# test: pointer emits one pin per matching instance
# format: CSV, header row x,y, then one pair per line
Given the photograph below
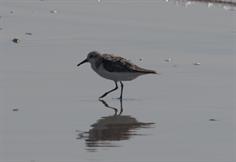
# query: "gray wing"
x,y
118,64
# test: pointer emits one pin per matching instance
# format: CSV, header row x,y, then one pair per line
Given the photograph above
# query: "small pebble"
x,y
212,120
15,109
140,59
196,63
11,12
15,40
53,11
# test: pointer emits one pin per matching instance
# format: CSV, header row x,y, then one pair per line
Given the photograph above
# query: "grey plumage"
x,y
114,68
119,64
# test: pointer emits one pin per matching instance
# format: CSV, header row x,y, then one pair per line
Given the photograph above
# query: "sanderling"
x,y
114,68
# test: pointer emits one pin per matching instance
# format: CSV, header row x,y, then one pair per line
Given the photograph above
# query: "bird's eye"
x,y
92,56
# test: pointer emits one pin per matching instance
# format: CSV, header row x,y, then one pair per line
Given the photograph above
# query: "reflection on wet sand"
x,y
112,128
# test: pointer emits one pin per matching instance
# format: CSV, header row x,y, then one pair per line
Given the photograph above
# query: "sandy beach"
x,y
50,111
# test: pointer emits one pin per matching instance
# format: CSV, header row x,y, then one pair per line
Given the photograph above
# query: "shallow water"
x,y
50,109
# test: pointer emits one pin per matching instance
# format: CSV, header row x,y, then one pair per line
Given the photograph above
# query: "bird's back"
x,y
114,63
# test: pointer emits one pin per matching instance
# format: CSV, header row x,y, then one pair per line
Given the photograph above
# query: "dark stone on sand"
x,y
15,109
212,120
15,40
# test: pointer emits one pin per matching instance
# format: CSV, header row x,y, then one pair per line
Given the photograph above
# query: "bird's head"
x,y
91,57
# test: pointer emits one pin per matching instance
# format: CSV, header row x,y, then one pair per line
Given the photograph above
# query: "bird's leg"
x,y
109,91
121,106
121,93
106,105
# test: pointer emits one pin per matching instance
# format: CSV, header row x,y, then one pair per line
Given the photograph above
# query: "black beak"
x,y
82,62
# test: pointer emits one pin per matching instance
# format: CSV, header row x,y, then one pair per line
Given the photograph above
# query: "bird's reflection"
x,y
109,129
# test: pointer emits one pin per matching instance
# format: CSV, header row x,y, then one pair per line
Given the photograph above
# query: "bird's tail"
x,y
147,71
151,72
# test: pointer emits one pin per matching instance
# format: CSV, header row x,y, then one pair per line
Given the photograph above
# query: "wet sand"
x,y
50,109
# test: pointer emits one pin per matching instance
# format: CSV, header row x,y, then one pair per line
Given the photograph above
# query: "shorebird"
x,y
114,68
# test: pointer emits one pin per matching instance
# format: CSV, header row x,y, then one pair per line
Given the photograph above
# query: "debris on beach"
x,y
196,63
225,4
53,11
229,8
28,33
209,5
168,60
188,3
15,40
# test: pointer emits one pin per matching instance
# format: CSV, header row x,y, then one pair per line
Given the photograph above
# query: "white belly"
x,y
116,76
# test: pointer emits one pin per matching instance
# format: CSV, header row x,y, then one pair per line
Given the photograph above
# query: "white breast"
x,y
116,76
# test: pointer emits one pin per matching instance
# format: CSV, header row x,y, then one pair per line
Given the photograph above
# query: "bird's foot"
x,y
118,98
102,96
